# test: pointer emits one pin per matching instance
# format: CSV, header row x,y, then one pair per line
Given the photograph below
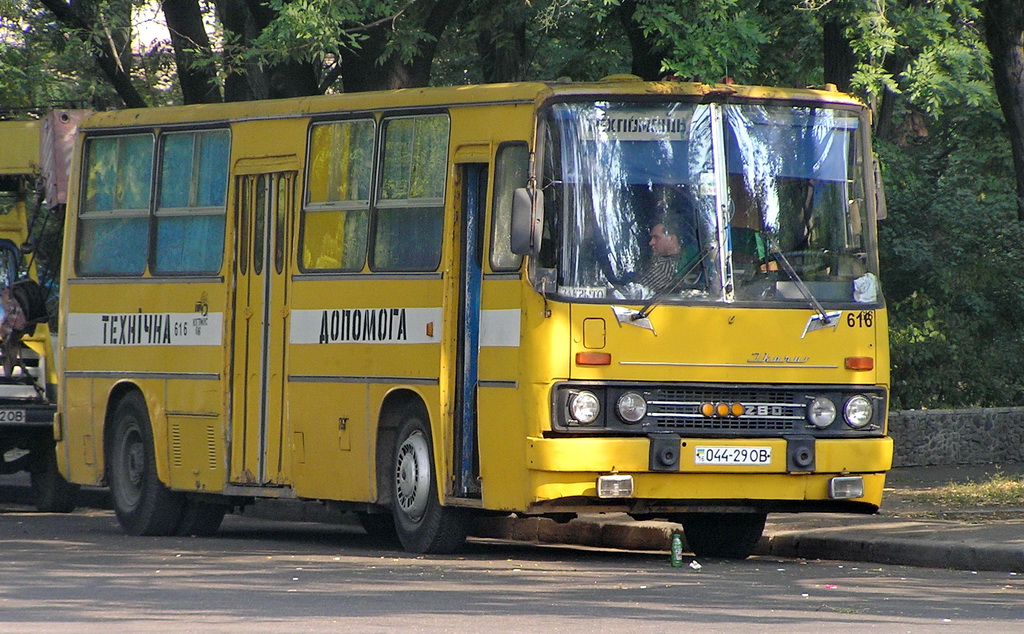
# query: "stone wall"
x,y
957,437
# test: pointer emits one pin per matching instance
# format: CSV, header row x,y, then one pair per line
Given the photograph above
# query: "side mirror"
x,y
880,210
527,219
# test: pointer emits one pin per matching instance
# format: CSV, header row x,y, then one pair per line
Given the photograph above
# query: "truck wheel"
x,y
422,524
725,535
51,493
144,506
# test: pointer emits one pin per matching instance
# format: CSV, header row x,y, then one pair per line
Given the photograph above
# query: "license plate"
x,y
12,416
733,455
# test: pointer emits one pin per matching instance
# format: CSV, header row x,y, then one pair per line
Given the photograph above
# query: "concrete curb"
x,y
905,552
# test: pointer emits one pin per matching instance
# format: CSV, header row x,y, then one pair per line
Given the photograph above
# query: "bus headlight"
x,y
584,407
821,412
631,407
857,412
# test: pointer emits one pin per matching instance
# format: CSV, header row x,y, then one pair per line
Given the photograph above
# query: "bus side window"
x,y
114,219
410,206
335,218
510,173
191,209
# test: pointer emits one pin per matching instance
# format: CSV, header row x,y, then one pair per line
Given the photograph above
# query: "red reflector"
x,y
860,363
593,358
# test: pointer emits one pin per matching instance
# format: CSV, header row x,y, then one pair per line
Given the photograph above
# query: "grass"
x,y
999,490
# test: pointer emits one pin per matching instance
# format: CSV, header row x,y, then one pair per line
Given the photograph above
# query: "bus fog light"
x,y
857,412
615,486
846,488
631,407
584,407
821,412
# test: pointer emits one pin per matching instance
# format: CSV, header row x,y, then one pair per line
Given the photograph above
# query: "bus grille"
x,y
766,411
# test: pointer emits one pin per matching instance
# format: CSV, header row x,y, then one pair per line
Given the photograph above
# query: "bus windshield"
x,y
706,203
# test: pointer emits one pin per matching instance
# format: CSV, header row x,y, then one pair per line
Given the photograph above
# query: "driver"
x,y
666,253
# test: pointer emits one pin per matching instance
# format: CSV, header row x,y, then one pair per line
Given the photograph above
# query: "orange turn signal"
x,y
593,358
707,409
860,363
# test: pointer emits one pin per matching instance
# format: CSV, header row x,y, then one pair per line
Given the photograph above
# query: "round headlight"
x,y
631,407
858,412
821,412
584,407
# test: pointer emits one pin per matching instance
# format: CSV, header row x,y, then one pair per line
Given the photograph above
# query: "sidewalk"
x,y
907,530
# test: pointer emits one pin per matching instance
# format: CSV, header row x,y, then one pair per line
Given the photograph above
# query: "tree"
x,y
1004,34
189,38
105,25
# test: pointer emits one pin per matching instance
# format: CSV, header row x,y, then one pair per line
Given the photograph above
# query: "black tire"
x,y
200,518
51,493
144,506
422,524
724,535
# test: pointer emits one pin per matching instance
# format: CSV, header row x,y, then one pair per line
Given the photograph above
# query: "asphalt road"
x,y
79,572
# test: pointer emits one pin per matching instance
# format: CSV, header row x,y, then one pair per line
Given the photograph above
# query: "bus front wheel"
x,y
422,523
144,506
725,535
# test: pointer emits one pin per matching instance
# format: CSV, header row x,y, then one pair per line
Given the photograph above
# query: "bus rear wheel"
x,y
422,523
724,535
144,506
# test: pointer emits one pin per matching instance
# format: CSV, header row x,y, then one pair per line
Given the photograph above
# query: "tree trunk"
x,y
501,42
110,52
647,60
503,57
246,19
884,126
360,70
838,55
188,33
1004,34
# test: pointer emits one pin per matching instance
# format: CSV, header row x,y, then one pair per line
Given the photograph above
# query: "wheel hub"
x,y
412,476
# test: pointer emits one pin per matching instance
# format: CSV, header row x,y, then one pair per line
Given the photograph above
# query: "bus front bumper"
x,y
839,474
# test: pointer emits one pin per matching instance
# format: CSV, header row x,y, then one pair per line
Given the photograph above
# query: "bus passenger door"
x,y
473,179
263,208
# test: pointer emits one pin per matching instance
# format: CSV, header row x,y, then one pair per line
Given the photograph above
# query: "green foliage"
x,y
710,39
952,252
40,66
314,30
564,38
932,52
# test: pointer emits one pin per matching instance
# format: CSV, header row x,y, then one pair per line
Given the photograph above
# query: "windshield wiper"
x,y
806,292
673,284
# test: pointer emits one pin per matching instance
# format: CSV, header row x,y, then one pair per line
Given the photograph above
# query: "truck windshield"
x,y
705,202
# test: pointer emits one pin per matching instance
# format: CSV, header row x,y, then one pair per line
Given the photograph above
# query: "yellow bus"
x,y
428,305
28,379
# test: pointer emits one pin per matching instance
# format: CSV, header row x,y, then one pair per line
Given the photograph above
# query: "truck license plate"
x,y
12,416
733,455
